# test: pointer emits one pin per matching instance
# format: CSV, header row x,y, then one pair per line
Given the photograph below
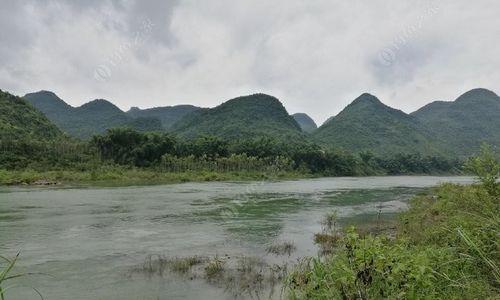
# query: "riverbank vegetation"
x,y
127,156
446,246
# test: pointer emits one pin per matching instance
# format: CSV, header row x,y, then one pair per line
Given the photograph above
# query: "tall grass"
x,y
6,276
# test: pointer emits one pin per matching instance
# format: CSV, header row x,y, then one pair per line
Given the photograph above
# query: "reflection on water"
x,y
89,239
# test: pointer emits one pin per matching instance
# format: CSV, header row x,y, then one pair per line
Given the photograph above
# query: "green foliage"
x,y
144,124
209,147
126,146
486,168
372,268
113,175
61,153
417,164
232,163
465,219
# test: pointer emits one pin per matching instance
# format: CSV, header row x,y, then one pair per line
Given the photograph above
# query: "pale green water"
x,y
89,239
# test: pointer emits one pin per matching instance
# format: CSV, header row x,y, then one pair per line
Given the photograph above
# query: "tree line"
x,y
168,153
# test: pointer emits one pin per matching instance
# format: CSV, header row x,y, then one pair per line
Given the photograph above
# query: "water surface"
x,y
90,239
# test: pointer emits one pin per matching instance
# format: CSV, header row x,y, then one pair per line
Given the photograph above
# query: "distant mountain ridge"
x,y
89,119
167,115
461,126
450,128
305,122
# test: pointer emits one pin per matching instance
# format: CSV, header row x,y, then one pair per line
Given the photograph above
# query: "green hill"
x,y
462,125
168,115
305,122
91,118
243,117
368,124
18,119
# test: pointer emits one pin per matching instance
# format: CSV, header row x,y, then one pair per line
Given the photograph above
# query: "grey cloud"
x,y
159,13
316,56
395,67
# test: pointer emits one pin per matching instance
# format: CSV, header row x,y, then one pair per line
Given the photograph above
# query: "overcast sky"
x,y
316,56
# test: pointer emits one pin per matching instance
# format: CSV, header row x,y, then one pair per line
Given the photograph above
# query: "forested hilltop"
x,y
463,124
369,125
21,121
91,118
251,116
245,137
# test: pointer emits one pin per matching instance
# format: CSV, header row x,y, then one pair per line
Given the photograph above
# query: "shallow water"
x,y
88,241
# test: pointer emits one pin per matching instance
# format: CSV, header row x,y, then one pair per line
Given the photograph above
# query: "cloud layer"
x,y
316,56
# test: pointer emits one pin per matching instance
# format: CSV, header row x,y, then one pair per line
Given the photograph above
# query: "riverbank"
x,y
126,176
118,176
444,247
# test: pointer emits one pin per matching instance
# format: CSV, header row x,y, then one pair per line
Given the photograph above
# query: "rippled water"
x,y
90,239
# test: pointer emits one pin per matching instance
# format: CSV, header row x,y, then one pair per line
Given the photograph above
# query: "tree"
x,y
486,168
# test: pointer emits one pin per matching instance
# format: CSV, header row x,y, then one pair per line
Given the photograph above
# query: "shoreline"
x,y
133,177
120,177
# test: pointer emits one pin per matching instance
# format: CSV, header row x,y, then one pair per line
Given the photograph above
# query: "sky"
x,y
316,56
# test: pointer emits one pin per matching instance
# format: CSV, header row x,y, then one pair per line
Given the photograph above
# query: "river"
x,y
89,243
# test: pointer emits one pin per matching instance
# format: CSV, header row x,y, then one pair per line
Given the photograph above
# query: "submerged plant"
x,y
328,238
282,248
183,265
330,221
157,264
214,268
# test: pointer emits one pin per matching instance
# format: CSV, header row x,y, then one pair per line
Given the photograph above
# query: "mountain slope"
x,y
305,122
168,115
89,119
462,125
95,117
18,119
243,117
368,124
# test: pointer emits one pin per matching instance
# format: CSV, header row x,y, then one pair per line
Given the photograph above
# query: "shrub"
x,y
486,168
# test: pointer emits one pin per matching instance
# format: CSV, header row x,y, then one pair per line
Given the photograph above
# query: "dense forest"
x,y
167,153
